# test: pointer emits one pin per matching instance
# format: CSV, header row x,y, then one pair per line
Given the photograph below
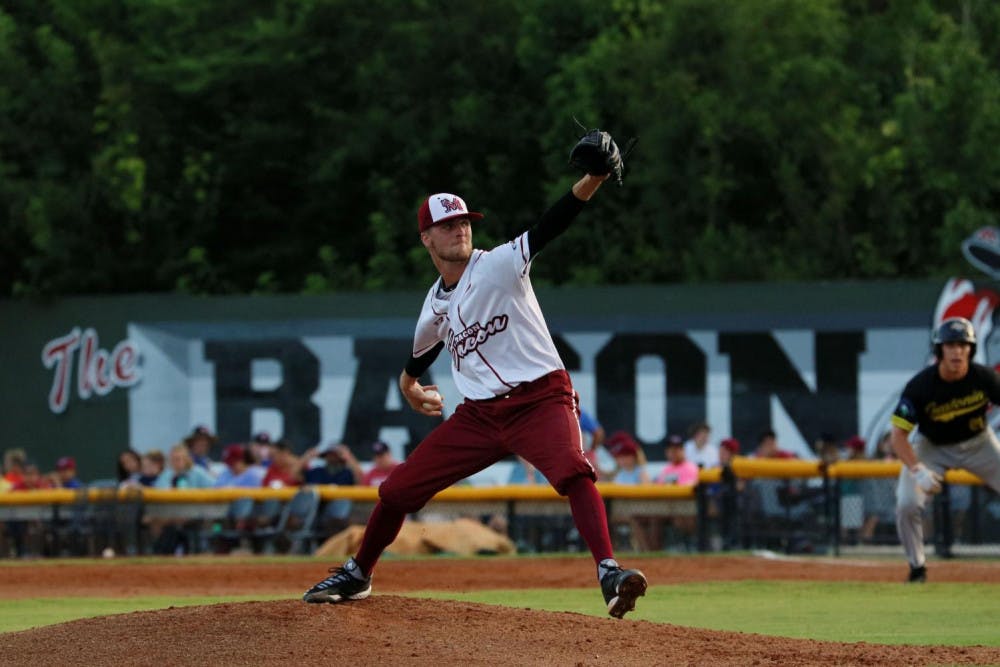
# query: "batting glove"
x,y
928,480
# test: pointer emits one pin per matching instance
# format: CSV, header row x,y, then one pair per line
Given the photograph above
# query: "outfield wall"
x,y
90,376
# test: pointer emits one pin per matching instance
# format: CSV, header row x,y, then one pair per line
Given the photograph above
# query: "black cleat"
x,y
918,575
621,588
344,583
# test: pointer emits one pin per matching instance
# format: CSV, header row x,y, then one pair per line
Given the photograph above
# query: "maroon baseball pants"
x,y
537,420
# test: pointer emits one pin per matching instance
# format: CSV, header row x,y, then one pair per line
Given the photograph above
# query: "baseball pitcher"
x,y
518,398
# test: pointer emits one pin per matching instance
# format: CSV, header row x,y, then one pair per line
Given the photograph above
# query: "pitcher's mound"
x,y
392,630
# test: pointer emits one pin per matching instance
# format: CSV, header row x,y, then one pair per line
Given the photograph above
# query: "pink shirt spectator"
x,y
684,472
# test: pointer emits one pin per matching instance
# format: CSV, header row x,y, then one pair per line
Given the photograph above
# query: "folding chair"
x,y
295,525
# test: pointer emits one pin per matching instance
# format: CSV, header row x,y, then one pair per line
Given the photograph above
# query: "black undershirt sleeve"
x,y
554,222
416,366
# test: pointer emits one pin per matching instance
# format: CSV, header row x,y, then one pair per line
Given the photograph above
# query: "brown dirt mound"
x,y
392,630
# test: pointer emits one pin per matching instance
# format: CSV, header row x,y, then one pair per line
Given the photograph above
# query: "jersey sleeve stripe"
x,y
902,423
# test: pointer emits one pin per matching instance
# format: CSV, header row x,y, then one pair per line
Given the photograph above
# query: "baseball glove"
x,y
597,154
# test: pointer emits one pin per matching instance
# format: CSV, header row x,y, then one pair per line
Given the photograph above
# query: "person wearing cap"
x,y
383,463
240,470
65,474
729,448
630,460
262,449
724,495
678,470
940,423
199,444
518,397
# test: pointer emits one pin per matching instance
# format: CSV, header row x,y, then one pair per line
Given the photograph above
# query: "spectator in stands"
x,y
767,447
240,470
594,438
13,467
182,473
261,449
522,472
284,469
698,449
129,468
678,469
151,466
200,444
169,535
29,535
729,448
724,496
826,449
383,463
339,466
851,499
630,460
65,475
32,479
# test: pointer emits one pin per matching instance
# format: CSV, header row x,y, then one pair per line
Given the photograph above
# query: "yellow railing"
x,y
742,467
331,492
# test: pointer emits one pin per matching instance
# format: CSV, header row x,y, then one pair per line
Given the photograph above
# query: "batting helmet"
x,y
954,330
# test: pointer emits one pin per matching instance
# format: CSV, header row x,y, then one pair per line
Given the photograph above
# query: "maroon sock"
x,y
383,527
590,517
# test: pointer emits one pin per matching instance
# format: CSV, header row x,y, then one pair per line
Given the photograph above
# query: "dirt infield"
x,y
392,630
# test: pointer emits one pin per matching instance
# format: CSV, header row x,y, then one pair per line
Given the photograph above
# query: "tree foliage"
x,y
285,145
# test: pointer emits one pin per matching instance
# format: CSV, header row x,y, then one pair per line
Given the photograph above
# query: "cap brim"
x,y
471,215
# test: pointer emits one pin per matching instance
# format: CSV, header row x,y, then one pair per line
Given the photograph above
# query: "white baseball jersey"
x,y
491,324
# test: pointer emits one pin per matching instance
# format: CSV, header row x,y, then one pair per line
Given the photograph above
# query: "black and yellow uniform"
x,y
947,412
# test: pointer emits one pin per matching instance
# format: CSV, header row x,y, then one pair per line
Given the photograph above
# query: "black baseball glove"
x,y
597,154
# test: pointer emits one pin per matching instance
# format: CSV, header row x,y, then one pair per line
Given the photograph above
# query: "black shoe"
x,y
344,583
918,575
621,588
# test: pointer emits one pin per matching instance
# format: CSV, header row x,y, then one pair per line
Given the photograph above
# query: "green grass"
x,y
934,613
952,614
35,612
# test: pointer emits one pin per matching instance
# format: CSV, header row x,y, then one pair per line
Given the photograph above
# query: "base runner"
x,y
946,402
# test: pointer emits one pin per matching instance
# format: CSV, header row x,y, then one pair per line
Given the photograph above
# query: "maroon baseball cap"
x,y
233,453
621,443
66,463
731,444
855,442
443,206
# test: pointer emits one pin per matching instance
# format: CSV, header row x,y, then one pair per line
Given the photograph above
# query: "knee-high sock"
x,y
590,517
383,527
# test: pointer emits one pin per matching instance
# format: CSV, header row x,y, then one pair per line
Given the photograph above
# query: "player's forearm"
x,y
902,447
554,222
585,188
416,366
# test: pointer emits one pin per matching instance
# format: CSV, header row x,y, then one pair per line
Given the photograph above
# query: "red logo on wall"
x,y
97,370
